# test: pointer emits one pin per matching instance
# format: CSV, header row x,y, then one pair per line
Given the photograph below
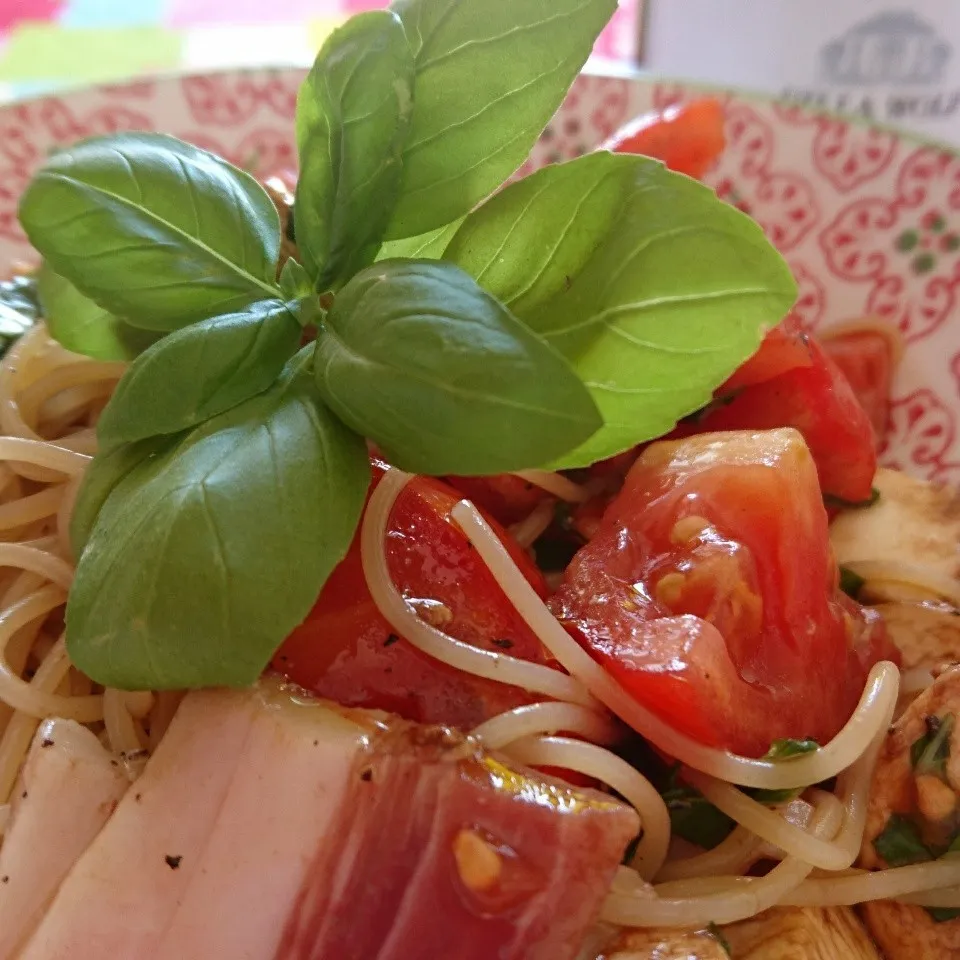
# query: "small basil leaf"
x,y
417,357
200,371
204,558
899,843
103,474
78,324
789,749
428,246
489,78
294,281
352,118
154,230
653,288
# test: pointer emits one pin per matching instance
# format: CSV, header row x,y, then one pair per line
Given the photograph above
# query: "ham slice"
x,y
68,788
271,828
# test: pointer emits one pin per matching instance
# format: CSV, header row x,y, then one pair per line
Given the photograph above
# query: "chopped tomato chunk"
x,y
688,138
868,358
346,651
710,591
792,382
505,496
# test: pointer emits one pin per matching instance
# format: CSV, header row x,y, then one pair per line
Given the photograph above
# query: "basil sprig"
x,y
574,314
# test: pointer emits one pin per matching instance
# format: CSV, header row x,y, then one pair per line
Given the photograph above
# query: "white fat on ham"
x,y
207,851
68,788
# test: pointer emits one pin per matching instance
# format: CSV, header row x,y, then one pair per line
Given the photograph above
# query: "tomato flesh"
x,y
792,382
867,359
711,593
688,138
347,652
505,496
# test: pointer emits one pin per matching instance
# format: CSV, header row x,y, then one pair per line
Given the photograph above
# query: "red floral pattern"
x,y
869,222
849,156
905,246
921,433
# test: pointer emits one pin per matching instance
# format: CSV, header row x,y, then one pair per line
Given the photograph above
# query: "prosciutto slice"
x,y
68,788
268,827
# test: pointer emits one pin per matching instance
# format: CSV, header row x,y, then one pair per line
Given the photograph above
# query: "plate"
x,y
867,217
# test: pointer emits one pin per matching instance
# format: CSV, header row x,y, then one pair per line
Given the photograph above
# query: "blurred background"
x,y
892,62
45,44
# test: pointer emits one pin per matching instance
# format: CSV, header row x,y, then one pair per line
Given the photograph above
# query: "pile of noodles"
x,y
49,402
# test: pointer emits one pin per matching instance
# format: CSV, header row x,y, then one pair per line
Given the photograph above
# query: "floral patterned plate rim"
x,y
867,217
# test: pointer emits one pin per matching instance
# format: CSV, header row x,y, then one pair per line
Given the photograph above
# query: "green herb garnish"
x,y
788,749
943,914
851,583
929,753
694,818
899,843
575,314
717,935
783,750
838,503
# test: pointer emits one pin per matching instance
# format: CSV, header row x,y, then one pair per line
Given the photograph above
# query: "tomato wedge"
x,y
792,382
688,138
868,357
346,651
710,591
505,496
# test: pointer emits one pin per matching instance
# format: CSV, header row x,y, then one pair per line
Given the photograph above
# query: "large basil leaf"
x,y
489,77
154,230
197,372
428,246
103,474
652,288
204,559
417,357
352,117
78,324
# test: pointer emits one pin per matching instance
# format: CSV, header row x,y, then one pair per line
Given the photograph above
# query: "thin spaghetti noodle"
x,y
594,761
49,401
876,702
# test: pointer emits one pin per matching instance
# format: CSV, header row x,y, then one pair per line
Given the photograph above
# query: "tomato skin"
x,y
868,359
785,348
776,388
688,138
731,625
504,496
346,651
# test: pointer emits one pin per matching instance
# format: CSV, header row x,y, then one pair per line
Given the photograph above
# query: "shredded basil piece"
x,y
838,503
851,583
929,753
717,935
899,843
693,817
787,749
943,914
